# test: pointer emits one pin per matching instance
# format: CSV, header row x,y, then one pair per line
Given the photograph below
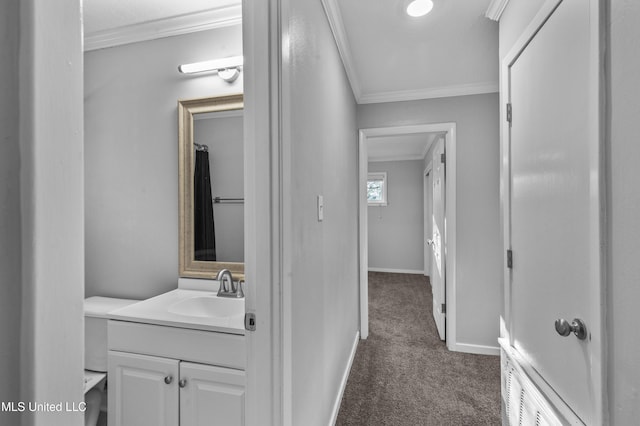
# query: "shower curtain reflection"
x,y
204,235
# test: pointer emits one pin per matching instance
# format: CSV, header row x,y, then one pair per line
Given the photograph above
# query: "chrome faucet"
x,y
228,287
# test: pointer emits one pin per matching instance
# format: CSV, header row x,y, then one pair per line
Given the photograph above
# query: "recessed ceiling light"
x,y
418,8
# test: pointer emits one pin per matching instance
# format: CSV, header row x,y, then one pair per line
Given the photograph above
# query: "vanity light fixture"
x,y
228,69
416,8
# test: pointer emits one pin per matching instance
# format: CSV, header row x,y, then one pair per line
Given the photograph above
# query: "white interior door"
x,y
428,213
554,207
438,238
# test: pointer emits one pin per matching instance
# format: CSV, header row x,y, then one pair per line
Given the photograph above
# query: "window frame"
x,y
378,176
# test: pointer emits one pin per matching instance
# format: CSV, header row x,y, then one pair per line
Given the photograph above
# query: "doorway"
x,y
448,132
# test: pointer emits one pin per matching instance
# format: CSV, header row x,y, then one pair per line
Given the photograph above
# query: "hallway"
x,y
404,375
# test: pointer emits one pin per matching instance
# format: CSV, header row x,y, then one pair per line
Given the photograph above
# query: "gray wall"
x,y
131,156
10,244
623,292
396,230
223,136
319,153
479,245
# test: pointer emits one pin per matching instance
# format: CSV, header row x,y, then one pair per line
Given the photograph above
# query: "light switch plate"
x,y
320,208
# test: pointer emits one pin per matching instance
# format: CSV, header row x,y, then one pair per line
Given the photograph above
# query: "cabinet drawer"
x,y
226,350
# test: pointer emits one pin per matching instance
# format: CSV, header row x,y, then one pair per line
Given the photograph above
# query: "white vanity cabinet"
x,y
168,376
143,390
211,395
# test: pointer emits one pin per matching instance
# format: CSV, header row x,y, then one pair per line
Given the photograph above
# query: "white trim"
x,y
363,229
427,194
597,285
495,9
449,129
267,379
408,157
332,10
343,382
451,287
430,93
397,271
411,129
470,348
176,25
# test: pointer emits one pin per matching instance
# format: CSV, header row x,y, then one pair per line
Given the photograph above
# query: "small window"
x,y
377,189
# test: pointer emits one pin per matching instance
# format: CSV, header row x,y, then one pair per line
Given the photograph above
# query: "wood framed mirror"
x,y
211,181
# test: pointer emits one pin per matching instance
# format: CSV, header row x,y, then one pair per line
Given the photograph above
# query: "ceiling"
x,y
109,23
399,147
388,56
103,15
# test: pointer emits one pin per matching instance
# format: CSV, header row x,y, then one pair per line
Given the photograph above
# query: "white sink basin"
x,y
208,307
201,310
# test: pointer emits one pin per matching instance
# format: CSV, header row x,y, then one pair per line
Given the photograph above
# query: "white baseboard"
x,y
397,271
343,383
475,349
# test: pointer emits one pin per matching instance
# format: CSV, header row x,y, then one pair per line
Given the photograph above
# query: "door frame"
x,y
428,204
449,129
269,364
597,285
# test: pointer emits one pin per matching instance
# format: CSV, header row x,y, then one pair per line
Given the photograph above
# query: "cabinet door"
x,y
211,396
143,390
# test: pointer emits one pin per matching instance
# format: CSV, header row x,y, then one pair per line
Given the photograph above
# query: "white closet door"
x,y
554,212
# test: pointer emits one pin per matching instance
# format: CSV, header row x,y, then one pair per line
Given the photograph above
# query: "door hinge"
x,y
509,113
442,158
250,321
509,259
443,308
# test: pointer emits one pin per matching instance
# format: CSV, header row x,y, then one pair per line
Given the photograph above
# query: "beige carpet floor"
x,y
404,375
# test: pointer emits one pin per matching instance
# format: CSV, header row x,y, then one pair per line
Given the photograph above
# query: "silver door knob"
x,y
577,327
182,383
168,380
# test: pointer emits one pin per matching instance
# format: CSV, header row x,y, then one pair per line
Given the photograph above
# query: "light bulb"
x,y
419,8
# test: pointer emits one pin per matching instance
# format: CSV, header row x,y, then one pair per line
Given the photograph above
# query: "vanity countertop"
x,y
193,309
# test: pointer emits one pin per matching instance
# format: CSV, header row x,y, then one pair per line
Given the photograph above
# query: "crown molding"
x,y
432,139
332,10
495,9
177,25
434,92
408,157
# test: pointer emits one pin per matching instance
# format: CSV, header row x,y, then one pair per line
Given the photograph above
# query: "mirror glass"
x,y
211,186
